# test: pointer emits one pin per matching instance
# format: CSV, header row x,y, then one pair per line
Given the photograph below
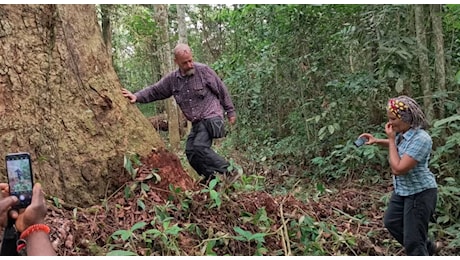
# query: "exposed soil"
x,y
356,212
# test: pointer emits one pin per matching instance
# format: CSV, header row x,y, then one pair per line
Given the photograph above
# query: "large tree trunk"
x,y
161,17
440,60
420,19
60,100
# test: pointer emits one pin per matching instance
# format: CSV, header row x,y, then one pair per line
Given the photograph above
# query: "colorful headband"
x,y
397,107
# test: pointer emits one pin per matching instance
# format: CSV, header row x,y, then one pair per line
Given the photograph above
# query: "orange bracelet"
x,y
34,228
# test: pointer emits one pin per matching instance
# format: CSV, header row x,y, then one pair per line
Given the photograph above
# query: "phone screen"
x,y
360,141
20,177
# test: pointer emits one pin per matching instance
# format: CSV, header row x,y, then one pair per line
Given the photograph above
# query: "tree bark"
x,y
161,17
420,19
440,60
182,26
60,100
182,29
107,28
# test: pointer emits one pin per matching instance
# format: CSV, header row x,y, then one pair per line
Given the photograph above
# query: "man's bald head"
x,y
182,49
183,58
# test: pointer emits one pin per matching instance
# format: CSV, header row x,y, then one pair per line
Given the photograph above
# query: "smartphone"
x,y
20,177
360,141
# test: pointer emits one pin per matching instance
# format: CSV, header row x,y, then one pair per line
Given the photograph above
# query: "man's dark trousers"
x,y
200,155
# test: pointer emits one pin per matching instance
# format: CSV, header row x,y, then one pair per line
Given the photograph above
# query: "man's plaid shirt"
x,y
200,96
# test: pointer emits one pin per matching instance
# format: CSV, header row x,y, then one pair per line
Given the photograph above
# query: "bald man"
x,y
205,101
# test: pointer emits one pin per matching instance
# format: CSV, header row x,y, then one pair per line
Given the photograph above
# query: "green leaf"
x,y
259,237
209,247
261,215
321,132
301,219
127,163
215,196
317,118
240,238
118,232
127,192
449,180
140,204
128,166
56,202
174,230
133,186
457,77
145,187
138,225
166,224
158,178
121,253
244,233
446,120
443,219
399,86
154,232
320,187
212,184
336,126
261,251
331,129
148,177
124,234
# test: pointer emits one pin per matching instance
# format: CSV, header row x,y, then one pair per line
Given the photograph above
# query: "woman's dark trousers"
x,y
407,219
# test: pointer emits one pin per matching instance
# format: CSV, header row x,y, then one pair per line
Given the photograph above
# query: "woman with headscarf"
x,y
413,201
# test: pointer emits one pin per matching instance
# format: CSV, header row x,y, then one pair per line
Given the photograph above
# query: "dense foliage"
x,y
308,79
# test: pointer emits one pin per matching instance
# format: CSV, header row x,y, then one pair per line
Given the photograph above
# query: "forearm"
x,y
394,158
382,142
158,91
148,94
226,101
217,85
39,244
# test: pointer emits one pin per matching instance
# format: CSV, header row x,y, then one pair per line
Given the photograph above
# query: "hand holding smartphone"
x,y
20,177
360,141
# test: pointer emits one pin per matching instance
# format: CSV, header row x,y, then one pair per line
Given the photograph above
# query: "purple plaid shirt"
x,y
200,96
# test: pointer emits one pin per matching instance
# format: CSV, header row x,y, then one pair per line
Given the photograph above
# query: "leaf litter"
x,y
345,222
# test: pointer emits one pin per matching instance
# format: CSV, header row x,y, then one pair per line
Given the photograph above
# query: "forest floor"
x,y
355,210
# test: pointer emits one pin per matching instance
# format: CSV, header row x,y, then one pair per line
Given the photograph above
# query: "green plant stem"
x,y
348,215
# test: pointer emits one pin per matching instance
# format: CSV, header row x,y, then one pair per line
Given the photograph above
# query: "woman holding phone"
x,y
413,201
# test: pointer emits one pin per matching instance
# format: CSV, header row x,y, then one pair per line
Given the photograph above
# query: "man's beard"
x,y
190,72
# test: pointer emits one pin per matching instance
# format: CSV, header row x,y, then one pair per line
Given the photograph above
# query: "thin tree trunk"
x,y
375,62
420,19
440,62
182,39
410,27
161,17
182,26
